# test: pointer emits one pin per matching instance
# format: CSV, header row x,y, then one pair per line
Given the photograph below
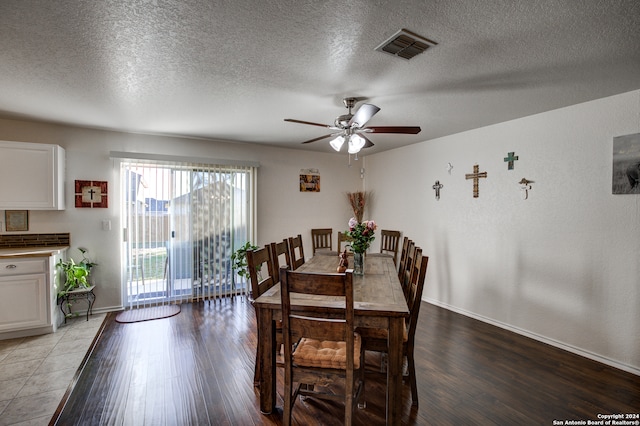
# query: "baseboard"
x,y
108,309
27,332
573,349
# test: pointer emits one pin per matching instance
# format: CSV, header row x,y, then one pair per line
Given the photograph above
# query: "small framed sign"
x,y
309,180
17,220
91,194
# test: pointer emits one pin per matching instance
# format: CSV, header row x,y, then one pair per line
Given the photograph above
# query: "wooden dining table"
x,y
378,301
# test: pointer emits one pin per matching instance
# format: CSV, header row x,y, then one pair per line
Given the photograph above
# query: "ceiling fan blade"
x,y
319,138
367,141
409,130
291,120
364,114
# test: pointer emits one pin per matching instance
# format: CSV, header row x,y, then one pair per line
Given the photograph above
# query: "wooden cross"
x,y
437,187
510,158
476,175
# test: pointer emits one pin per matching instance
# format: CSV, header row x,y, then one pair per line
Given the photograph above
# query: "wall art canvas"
x,y
309,180
626,164
91,194
16,220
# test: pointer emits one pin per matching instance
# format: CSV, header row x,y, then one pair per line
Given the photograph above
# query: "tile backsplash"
x,y
33,240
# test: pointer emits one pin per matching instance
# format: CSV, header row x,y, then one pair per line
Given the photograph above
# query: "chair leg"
x,y
257,373
348,400
362,401
412,379
286,412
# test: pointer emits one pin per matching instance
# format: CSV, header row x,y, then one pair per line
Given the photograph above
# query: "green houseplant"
x,y
76,274
239,259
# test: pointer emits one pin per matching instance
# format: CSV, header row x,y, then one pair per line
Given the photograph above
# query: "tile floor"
x,y
36,371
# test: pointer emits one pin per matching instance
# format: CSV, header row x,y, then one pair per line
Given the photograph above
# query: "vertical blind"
x,y
182,221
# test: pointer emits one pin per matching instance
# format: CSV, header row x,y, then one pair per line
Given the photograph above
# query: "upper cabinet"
x,y
31,176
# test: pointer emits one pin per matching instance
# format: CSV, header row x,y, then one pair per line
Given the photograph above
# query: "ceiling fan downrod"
x,y
342,121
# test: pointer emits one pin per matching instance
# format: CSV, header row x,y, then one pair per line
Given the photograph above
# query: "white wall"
x,y
562,266
283,210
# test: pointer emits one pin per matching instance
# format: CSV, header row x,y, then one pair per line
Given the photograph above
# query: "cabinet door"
x,y
31,176
23,302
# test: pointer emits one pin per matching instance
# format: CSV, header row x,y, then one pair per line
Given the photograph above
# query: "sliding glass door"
x,y
182,222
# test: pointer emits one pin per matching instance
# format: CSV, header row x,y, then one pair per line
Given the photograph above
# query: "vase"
x,y
358,263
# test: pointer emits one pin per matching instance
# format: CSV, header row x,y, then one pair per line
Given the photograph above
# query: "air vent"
x,y
405,44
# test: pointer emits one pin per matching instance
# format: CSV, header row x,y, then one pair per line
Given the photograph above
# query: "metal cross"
x,y
525,186
476,176
510,158
437,187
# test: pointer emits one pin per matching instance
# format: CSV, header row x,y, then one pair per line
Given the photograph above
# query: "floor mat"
x,y
148,314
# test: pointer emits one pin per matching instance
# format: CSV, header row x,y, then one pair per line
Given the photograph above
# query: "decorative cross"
x,y
476,175
509,159
449,167
437,187
525,187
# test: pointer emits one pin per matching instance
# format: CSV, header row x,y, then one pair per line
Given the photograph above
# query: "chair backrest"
x,y
406,275
280,257
343,237
416,285
403,258
296,252
298,320
256,259
322,239
389,243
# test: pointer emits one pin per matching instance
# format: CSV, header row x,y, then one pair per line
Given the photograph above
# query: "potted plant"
x,y
239,260
76,274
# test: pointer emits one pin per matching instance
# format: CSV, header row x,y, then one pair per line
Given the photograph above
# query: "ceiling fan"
x,y
350,127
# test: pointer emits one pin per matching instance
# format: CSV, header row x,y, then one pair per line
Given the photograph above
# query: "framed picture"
x,y
309,180
91,194
16,220
626,164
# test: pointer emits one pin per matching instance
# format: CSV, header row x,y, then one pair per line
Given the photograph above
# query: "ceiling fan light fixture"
x,y
356,142
337,143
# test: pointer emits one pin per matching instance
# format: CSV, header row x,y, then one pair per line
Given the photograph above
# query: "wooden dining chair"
x,y
344,238
280,257
322,240
389,242
403,257
320,346
259,263
408,267
296,252
375,339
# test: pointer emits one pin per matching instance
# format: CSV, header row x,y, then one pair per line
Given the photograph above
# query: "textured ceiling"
x,y
233,70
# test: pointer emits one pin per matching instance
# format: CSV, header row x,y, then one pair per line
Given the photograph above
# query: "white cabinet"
x,y
31,176
24,294
28,296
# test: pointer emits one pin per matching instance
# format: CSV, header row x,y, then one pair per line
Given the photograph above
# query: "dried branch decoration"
x,y
358,202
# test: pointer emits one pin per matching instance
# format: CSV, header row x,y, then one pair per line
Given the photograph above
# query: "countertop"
x,y
7,253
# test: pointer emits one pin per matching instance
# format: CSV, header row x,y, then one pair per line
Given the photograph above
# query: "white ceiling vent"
x,y
405,44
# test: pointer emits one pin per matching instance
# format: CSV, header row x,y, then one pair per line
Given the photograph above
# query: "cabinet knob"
x,y
11,266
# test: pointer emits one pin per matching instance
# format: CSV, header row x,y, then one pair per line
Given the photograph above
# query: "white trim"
x,y
175,158
578,351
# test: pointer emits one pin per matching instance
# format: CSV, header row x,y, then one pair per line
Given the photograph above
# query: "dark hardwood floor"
x,y
196,368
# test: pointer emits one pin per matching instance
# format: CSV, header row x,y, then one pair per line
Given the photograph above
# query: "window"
x,y
182,221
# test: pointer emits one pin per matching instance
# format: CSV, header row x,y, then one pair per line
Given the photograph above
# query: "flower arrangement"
x,y
362,234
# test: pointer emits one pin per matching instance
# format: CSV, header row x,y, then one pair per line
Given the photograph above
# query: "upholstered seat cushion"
x,y
381,333
326,353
